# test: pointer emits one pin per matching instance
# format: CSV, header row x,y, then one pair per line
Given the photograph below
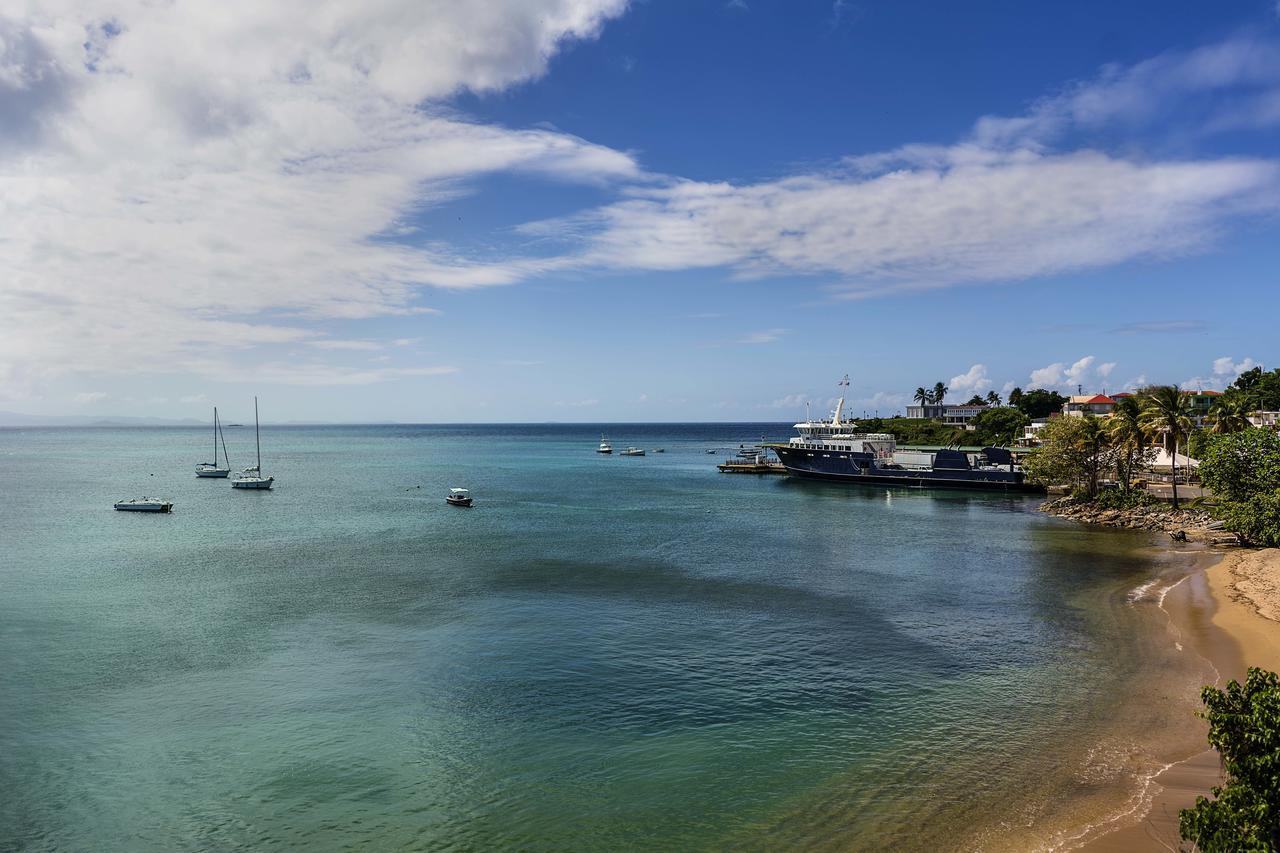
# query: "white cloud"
x,y
790,401
972,381
766,336
579,404
1063,376
173,173
1227,369
89,397
1005,216
193,398
345,345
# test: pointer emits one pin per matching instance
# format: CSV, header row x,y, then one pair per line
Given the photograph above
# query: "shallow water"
x,y
605,652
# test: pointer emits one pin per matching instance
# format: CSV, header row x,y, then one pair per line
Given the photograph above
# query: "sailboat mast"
x,y
215,436
256,439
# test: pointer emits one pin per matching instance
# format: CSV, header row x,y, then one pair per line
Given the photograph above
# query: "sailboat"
x,y
212,469
251,477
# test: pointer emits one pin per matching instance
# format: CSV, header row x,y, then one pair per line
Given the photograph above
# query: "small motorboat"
x,y
144,505
712,451
605,446
659,450
458,497
633,451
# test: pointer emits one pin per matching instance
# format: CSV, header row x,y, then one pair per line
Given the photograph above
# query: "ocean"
x,y
604,653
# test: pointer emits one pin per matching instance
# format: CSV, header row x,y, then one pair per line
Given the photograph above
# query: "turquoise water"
x,y
604,653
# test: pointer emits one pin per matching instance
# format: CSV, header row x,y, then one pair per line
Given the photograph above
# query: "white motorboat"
x,y
213,469
605,446
144,505
251,477
633,451
458,497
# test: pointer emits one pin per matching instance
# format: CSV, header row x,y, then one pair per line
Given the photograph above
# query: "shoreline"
x,y
1227,610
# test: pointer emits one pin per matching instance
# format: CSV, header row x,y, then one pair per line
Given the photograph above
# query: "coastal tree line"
x,y
1239,463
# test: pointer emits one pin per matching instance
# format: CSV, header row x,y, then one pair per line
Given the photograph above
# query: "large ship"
x,y
829,450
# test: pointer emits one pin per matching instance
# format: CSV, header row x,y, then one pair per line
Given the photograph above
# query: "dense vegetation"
x,y
1244,726
1243,471
996,427
1037,403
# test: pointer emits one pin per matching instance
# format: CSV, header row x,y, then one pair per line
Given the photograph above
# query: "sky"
x,y
601,210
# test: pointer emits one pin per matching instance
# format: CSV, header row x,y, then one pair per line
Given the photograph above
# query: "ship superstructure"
x,y
830,449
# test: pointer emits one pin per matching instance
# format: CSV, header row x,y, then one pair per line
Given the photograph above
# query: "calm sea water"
x,y
604,653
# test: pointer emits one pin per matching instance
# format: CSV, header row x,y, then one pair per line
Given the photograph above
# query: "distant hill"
x,y
17,419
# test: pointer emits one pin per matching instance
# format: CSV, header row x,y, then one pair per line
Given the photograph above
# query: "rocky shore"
x,y
1191,523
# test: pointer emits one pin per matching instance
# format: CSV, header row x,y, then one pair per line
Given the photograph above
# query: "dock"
x,y
750,466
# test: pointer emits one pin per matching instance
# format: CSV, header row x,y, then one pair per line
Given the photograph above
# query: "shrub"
x,y
1244,726
1257,521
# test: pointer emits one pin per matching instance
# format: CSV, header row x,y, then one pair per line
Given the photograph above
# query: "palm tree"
x,y
939,392
1129,434
1230,414
1167,412
1094,439
923,397
993,399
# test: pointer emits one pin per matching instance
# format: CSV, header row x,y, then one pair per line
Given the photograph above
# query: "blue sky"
x,y
593,210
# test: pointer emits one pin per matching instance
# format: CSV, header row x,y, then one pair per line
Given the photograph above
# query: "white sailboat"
x,y
251,477
213,469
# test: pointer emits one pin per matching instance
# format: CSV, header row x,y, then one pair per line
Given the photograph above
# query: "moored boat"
x,y
213,469
251,477
633,451
458,497
144,505
830,450
605,446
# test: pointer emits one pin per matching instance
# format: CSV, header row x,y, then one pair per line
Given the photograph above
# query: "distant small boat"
x,y
213,469
633,451
458,497
144,505
605,446
659,450
711,451
251,477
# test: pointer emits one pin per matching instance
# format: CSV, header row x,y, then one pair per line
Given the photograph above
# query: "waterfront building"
x,y
1079,405
950,414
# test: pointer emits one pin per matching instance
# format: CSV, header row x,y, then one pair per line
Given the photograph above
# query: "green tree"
x,y
1073,452
1242,465
999,426
939,392
1015,397
1261,389
923,397
993,399
1038,403
1230,414
1244,726
1166,411
976,400
1129,436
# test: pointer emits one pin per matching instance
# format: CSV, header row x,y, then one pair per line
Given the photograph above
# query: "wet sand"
x,y
1229,613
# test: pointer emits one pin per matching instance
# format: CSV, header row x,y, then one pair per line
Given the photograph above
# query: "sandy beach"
x,y
1230,614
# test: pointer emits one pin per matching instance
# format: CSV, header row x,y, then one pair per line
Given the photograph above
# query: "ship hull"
x,y
835,466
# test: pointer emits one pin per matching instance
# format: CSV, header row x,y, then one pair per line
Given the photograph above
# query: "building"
x,y
1201,403
1031,433
1079,405
1265,419
952,415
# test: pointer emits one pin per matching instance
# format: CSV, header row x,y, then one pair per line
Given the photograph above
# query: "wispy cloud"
x,y
1161,327
88,397
345,345
766,336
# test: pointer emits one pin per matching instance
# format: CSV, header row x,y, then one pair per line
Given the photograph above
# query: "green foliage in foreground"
x,y
1244,726
1243,471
